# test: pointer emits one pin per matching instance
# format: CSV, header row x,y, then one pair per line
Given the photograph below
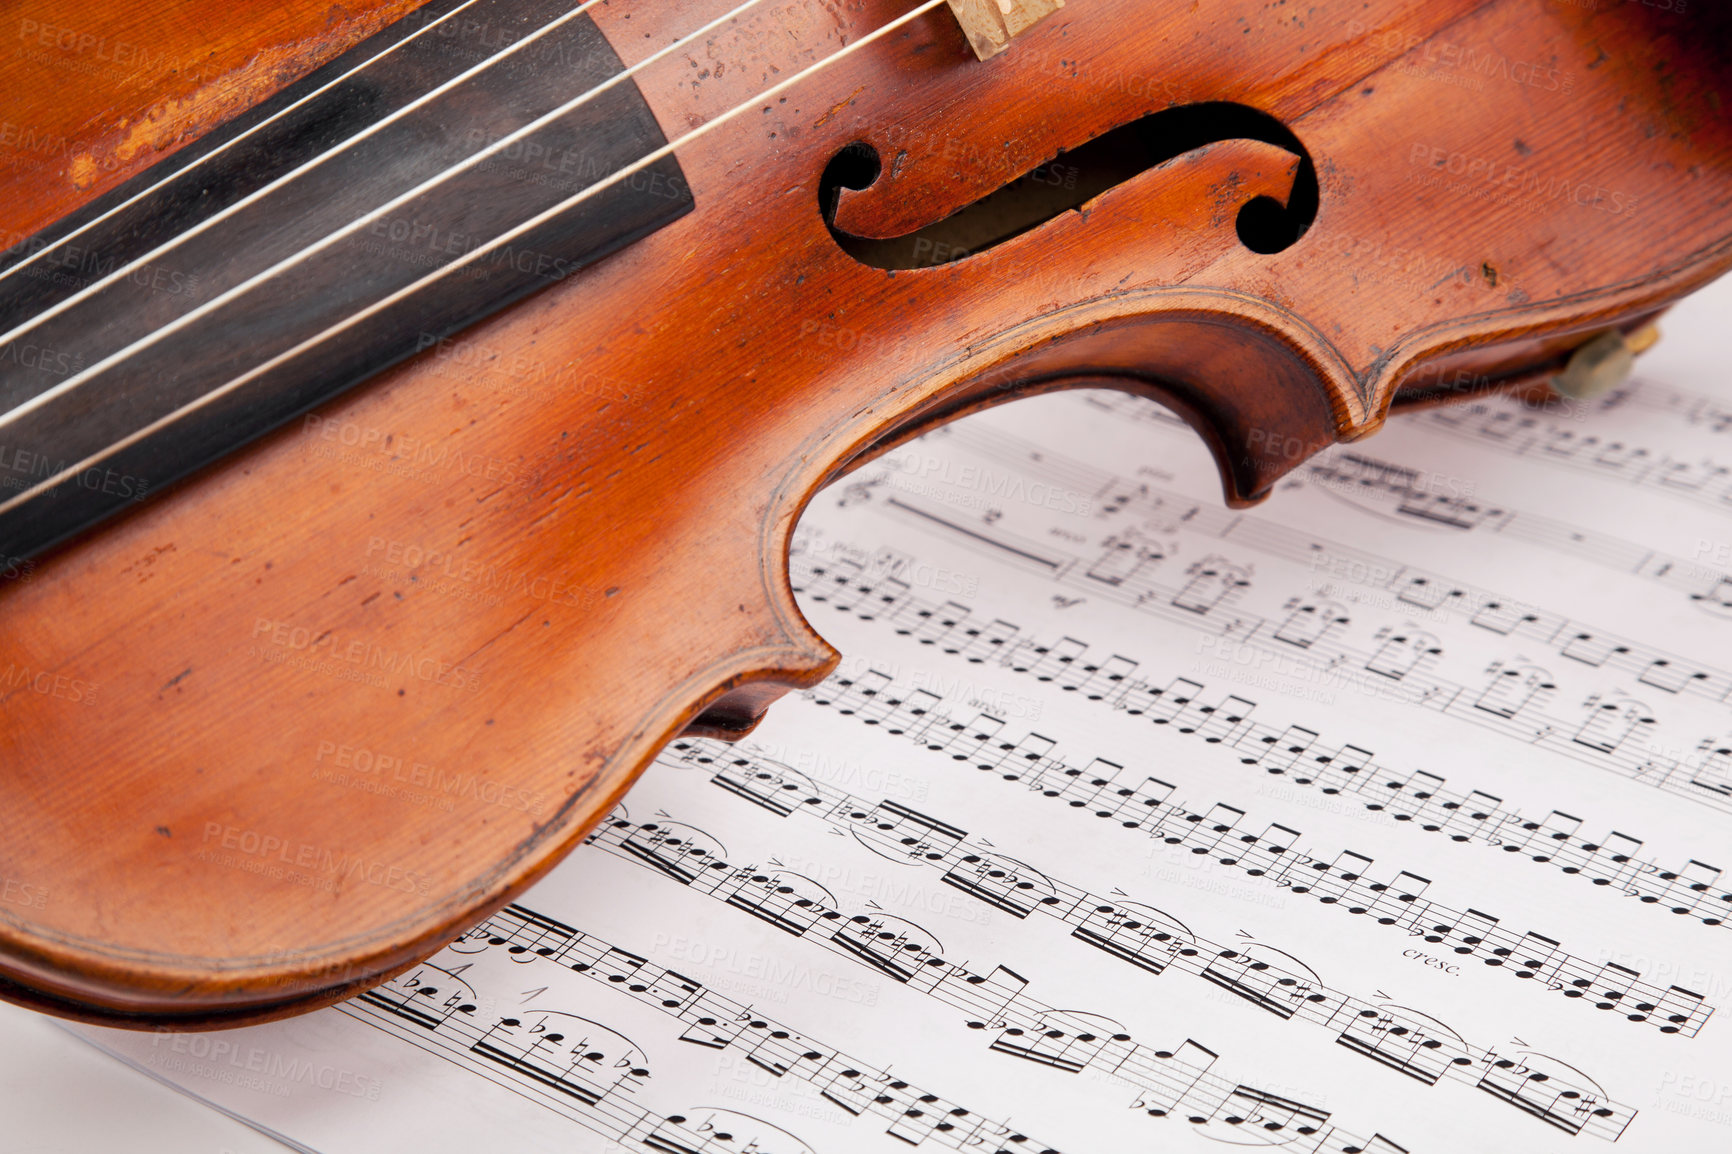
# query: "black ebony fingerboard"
x,y
204,302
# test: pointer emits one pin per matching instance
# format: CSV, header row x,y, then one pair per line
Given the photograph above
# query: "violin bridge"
x,y
991,25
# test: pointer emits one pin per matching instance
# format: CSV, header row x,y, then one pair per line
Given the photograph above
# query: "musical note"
x,y
915,834
1535,956
1401,652
1502,619
1142,936
1104,678
1064,1041
590,1073
1198,877
1009,885
721,1132
575,1056
1513,688
1611,722
1663,673
1217,722
1310,621
1125,555
1442,697
1526,1082
1285,750
1717,597
426,995
1272,1113
1344,880
1407,796
1591,650
1426,592
595,1063
788,901
778,789
1470,927
1054,661
674,850
1402,1040
1149,808
894,946
1260,974
1586,452
1182,1071
1247,975
1209,583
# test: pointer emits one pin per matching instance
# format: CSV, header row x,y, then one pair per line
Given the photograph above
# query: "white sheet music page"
x,y
1390,815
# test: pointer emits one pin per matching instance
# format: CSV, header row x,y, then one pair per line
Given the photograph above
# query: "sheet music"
x,y
1390,815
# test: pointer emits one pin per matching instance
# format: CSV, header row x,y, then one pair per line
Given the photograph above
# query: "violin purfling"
x,y
405,410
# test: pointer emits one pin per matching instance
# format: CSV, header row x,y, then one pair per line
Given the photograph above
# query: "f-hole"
x,y
1072,178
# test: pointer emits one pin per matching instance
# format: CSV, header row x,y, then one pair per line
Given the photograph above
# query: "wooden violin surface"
x,y
298,719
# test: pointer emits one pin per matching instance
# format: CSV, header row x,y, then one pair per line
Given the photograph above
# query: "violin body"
x,y
310,711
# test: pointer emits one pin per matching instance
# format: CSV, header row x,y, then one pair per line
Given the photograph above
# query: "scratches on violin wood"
x,y
496,578
165,75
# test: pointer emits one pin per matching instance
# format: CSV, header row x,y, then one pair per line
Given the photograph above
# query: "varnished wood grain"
x,y
241,248
565,531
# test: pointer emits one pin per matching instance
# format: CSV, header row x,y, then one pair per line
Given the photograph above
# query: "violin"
x,y
405,408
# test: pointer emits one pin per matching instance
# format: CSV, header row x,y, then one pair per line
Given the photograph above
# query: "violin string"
x,y
178,323
185,319
226,145
217,217
462,261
